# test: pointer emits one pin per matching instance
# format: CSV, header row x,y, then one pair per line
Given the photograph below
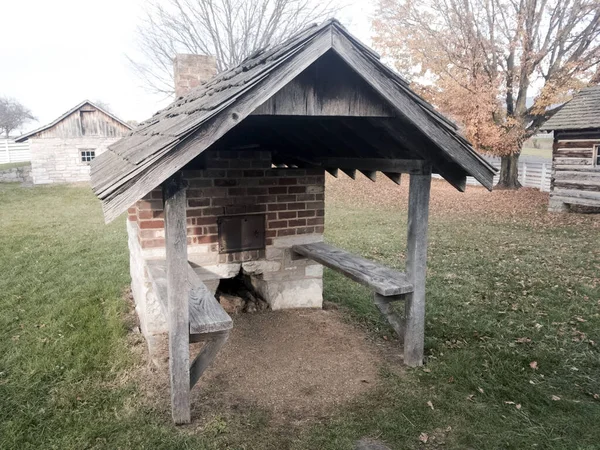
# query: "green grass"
x,y
14,165
501,295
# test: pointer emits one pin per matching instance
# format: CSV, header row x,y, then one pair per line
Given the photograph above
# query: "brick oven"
x,y
238,165
236,185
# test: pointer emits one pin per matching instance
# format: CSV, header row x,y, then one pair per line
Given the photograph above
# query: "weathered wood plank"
x,y
334,172
370,174
416,268
576,201
206,314
580,185
177,295
395,177
573,161
326,88
381,279
350,172
577,194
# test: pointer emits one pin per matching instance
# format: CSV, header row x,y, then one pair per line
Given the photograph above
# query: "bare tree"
x,y
13,115
230,30
483,59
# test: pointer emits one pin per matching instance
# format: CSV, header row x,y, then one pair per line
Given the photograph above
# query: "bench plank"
x,y
381,279
206,314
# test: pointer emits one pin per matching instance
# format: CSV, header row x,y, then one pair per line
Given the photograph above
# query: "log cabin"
x,y
575,183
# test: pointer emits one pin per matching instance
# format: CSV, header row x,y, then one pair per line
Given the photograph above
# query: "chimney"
x,y
191,71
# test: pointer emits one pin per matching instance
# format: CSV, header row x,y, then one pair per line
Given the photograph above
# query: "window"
x,y
596,161
87,155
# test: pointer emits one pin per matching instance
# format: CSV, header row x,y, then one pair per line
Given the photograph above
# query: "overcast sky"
x,y
54,54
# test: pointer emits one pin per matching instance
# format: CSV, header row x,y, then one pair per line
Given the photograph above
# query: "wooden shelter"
x,y
319,101
575,155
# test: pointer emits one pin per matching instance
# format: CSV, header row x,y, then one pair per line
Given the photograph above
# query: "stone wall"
x,y
56,160
16,175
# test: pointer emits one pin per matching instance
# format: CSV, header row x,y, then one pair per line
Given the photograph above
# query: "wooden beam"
x,y
213,342
178,296
370,174
350,172
395,177
416,268
411,166
334,172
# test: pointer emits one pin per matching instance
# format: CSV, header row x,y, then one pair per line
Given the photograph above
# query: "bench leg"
x,y
416,268
213,342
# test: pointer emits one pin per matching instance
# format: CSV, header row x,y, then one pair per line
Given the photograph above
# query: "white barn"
x,y
61,151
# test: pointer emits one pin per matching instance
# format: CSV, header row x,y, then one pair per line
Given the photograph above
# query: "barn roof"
x,y
26,136
581,112
174,136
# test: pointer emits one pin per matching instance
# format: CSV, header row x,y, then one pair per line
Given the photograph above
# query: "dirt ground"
x,y
296,365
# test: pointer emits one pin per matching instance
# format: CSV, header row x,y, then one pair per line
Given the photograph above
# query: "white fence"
x,y
11,151
531,174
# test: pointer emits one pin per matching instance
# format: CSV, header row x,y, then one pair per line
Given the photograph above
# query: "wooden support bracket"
x,y
213,342
385,306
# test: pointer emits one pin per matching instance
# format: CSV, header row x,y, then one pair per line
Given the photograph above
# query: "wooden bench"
x,y
388,284
383,280
208,320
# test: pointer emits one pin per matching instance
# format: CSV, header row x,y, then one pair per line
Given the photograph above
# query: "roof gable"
x,y
83,106
173,137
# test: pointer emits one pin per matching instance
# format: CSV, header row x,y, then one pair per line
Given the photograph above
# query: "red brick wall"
x,y
239,183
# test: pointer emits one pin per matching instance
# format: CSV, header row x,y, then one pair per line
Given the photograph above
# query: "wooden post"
x,y
416,268
178,297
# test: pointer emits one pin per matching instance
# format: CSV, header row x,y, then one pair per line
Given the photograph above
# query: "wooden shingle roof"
x,y
582,112
174,136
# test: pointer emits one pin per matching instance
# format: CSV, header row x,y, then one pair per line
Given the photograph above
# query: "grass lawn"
x,y
512,332
15,164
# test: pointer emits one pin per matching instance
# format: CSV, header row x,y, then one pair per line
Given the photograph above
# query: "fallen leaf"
x,y
430,405
555,398
533,365
580,319
523,340
509,403
518,406
480,390
423,437
470,397
427,370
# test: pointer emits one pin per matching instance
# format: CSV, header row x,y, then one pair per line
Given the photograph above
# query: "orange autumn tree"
x,y
482,61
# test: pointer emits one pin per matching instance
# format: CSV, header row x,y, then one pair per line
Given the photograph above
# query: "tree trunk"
x,y
509,172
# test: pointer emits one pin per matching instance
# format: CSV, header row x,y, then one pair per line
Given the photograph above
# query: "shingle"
x,y
580,113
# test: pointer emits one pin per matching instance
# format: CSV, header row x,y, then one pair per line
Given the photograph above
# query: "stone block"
x,y
304,293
